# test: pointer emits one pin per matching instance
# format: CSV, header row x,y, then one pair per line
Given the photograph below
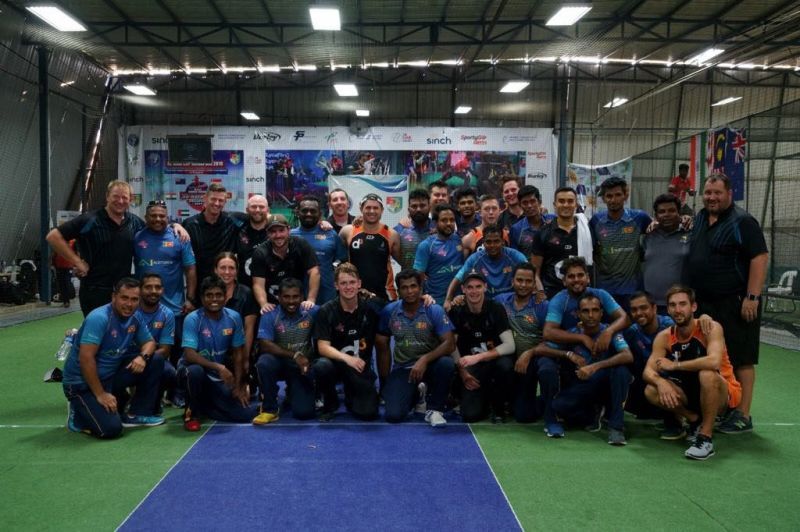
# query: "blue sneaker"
x,y
554,430
142,421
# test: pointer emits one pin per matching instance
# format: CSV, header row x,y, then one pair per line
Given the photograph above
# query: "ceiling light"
x,y
345,89
514,86
568,15
702,57
57,17
362,112
249,115
140,90
616,102
726,101
746,66
67,83
269,68
325,18
298,68
462,110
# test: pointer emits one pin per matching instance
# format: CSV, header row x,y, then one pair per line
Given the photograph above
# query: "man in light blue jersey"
x,y
423,341
215,361
95,372
440,255
284,339
419,208
522,233
327,245
616,235
495,261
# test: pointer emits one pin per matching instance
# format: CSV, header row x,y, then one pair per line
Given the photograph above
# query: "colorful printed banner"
x,y
393,189
586,180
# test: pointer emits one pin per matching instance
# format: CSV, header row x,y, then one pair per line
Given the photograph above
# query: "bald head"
x,y
257,210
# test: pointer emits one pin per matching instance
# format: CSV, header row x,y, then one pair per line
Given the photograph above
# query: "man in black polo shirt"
x,y
104,245
280,257
727,266
566,236
253,233
345,330
212,230
484,352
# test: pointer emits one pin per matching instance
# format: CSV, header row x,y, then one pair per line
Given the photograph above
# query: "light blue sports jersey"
x,y
213,339
416,336
617,345
563,308
498,272
113,335
618,250
439,259
410,238
292,333
161,324
527,323
329,249
167,256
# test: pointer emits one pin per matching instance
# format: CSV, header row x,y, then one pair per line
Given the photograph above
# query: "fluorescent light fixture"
x,y
414,63
325,18
249,115
140,90
726,101
298,68
616,102
462,109
159,72
67,83
514,86
702,57
568,15
345,89
190,70
269,68
746,66
56,17
362,112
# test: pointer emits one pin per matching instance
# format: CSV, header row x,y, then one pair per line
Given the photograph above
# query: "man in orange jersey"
x,y
371,246
689,372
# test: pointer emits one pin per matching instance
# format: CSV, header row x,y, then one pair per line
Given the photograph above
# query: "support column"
x,y
44,176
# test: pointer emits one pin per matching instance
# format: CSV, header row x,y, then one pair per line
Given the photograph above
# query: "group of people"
x,y
491,314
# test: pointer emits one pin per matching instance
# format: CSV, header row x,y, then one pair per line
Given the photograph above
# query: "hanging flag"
x,y
735,155
697,160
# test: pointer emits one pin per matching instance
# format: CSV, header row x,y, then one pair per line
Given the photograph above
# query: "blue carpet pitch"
x,y
370,476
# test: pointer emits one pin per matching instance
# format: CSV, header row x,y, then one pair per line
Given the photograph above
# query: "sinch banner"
x,y
286,163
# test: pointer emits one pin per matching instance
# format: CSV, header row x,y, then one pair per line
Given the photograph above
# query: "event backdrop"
x,y
586,180
285,163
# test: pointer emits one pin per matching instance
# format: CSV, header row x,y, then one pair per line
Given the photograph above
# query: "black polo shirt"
x,y
349,332
209,240
480,332
105,245
337,227
246,241
720,254
299,259
554,245
508,218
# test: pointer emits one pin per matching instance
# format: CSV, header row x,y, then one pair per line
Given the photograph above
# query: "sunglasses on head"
x,y
157,203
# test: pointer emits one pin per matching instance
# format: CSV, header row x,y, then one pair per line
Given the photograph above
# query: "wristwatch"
x,y
753,297
146,357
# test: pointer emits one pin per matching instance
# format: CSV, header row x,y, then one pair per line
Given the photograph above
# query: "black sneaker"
x,y
736,423
701,449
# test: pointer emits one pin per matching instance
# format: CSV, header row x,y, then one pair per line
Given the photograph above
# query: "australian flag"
x,y
729,154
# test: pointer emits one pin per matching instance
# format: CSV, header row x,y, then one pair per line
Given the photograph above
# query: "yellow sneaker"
x,y
264,418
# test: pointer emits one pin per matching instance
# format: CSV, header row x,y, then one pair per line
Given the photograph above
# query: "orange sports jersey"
x,y
695,347
479,237
371,254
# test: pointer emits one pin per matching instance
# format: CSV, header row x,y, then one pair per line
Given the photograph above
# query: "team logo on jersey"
x,y
355,244
114,333
280,328
305,324
206,332
339,327
142,244
530,319
628,230
507,269
320,237
131,329
351,331
227,332
168,244
158,325
422,325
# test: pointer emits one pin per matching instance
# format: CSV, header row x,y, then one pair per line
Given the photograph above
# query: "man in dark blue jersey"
x,y
440,256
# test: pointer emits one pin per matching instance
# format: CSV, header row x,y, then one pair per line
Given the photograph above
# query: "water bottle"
x,y
66,345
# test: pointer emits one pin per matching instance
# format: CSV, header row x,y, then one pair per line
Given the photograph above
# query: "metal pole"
x,y
562,126
44,177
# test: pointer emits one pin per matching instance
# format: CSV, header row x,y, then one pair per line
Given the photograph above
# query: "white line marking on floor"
x,y
178,461
495,479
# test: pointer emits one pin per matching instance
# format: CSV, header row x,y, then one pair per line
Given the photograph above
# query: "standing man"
x,y
326,244
727,267
371,246
689,374
283,256
566,236
617,233
94,373
522,233
339,205
439,193
410,237
680,186
284,339
490,215
665,251
157,249
250,235
212,230
345,331
467,205
439,256
484,352
513,211
104,245
423,339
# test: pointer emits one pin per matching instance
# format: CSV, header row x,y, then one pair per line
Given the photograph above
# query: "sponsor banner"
x,y
393,189
586,180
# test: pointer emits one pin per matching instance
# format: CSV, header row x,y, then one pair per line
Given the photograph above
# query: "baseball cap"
x,y
370,196
474,274
277,220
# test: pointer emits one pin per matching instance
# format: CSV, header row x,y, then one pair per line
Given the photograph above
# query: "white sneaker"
x,y
435,418
422,402
701,449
